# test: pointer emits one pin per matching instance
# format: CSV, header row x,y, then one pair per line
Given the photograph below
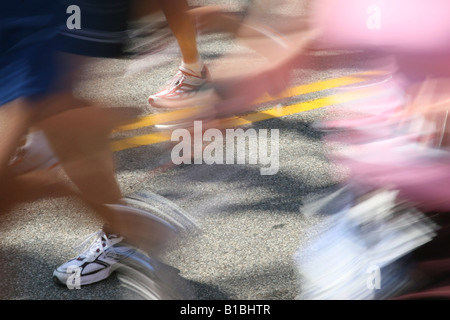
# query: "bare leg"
x,y
15,118
80,139
183,27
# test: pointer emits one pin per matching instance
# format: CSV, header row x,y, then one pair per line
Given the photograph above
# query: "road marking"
x,y
150,120
235,121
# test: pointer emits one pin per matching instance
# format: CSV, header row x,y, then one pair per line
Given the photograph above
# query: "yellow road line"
x,y
153,119
236,121
139,141
323,85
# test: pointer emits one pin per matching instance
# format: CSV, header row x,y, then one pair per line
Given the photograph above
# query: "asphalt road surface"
x,y
250,225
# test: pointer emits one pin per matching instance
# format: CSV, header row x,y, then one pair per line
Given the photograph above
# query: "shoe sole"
x,y
61,278
192,100
169,104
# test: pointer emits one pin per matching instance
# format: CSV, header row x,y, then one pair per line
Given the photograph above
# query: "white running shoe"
x,y
183,85
34,155
95,264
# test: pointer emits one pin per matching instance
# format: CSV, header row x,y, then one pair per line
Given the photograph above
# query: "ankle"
x,y
196,67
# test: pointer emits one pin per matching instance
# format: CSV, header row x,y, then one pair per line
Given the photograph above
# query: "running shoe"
x,y
183,85
96,263
36,154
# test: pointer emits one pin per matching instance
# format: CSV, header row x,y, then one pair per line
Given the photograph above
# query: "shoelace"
x,y
96,248
179,78
183,74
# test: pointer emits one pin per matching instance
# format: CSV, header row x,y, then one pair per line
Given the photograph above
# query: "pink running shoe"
x,y
183,85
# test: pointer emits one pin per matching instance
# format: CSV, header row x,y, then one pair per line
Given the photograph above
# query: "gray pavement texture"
x,y
250,224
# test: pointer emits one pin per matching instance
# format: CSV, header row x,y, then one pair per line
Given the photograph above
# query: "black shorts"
x,y
103,28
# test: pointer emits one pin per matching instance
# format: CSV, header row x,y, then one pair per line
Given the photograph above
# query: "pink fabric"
x,y
404,25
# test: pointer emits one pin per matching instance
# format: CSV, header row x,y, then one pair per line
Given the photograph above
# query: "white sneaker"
x,y
34,155
183,85
95,264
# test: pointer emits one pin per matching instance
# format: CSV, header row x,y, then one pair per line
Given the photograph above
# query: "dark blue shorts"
x,y
33,31
103,29
28,31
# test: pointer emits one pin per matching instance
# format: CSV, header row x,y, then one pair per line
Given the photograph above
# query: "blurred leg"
x,y
183,27
80,139
15,118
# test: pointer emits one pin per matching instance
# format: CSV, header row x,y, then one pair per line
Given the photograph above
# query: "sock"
x,y
196,67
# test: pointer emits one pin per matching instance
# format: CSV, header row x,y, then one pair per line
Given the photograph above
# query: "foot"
x,y
36,154
183,85
142,230
96,263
